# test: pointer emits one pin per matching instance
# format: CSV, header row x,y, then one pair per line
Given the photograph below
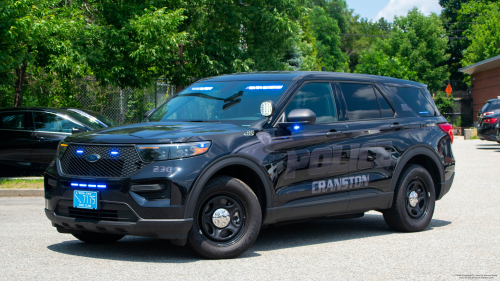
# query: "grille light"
x,y
114,152
79,151
296,127
101,186
92,185
74,184
82,185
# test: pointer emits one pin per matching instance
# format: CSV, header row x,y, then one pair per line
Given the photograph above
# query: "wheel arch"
x,y
424,156
222,167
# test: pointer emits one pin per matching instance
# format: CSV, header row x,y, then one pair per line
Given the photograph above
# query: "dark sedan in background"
x,y
29,135
487,120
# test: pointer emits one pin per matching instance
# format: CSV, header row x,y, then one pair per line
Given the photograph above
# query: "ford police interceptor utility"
x,y
233,153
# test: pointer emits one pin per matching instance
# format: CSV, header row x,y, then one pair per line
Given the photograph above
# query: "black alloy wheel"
x,y
414,201
417,199
227,219
222,218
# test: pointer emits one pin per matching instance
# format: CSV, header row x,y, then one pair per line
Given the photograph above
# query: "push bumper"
x,y
159,228
445,187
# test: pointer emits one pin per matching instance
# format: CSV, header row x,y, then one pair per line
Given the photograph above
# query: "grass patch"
x,y
474,138
21,184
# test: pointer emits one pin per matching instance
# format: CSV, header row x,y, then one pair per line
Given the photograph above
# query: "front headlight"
x,y
158,152
61,148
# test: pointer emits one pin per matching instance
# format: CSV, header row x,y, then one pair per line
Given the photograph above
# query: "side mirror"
x,y
299,116
77,130
146,115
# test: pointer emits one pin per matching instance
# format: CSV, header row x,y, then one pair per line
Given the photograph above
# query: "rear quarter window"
x,y
491,106
415,100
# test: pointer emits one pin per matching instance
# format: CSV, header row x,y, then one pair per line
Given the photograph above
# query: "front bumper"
x,y
164,229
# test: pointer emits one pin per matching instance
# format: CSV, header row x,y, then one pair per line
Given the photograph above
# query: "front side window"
x,y
12,120
236,102
360,100
49,122
317,97
415,100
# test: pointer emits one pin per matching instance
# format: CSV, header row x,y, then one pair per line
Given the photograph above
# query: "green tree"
x,y
15,42
486,30
458,42
415,50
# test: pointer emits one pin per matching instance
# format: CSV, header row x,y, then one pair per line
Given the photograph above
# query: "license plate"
x,y
85,199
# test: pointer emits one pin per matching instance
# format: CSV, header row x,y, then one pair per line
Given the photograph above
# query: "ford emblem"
x,y
93,158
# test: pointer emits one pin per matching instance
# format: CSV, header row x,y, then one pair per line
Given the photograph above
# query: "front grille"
x,y
106,212
125,164
107,215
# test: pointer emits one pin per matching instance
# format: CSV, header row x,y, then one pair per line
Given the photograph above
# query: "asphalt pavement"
x,y
462,242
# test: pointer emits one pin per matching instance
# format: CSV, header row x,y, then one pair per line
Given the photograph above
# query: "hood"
x,y
156,132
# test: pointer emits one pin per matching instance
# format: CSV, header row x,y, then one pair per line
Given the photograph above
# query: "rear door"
x,y
50,129
15,142
373,132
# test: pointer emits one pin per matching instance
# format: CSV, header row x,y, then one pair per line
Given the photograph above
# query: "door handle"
x,y
334,133
397,127
40,138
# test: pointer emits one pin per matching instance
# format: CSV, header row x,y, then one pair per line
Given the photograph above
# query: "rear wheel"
x,y
227,219
414,201
97,238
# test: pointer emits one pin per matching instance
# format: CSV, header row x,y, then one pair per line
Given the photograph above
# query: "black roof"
x,y
310,75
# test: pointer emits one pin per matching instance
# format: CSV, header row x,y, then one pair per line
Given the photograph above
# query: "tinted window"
x,y
236,102
12,120
491,106
360,100
49,122
317,97
385,108
415,100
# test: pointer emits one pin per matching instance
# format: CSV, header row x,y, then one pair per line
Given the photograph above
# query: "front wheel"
x,y
227,219
414,201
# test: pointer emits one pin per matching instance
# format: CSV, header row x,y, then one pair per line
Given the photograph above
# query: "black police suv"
x,y
487,120
232,153
31,135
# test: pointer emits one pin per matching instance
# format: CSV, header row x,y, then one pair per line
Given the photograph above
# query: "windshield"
x,y
236,102
90,118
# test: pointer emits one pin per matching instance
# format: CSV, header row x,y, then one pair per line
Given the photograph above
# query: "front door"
x,y
15,150
312,157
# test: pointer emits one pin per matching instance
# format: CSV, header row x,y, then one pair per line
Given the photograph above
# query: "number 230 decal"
x,y
162,169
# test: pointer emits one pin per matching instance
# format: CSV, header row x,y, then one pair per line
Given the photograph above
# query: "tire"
x,y
405,217
237,228
98,238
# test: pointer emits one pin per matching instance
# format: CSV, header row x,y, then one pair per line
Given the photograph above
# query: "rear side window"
x,y
12,120
414,99
363,102
490,106
385,109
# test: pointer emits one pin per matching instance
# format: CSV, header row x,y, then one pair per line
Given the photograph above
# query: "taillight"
x,y
487,113
490,120
447,128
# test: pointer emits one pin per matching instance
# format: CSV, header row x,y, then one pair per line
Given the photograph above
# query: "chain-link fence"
x,y
124,106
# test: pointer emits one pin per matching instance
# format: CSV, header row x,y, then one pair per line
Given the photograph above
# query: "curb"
x,y
21,192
